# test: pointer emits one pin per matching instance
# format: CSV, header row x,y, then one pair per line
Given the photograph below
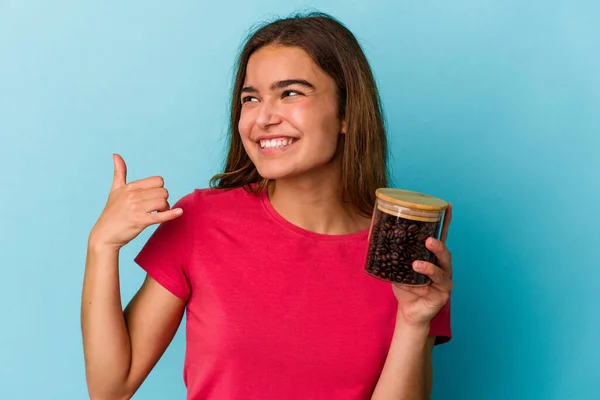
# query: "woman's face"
x,y
289,121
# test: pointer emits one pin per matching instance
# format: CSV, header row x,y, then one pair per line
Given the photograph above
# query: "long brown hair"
x,y
336,51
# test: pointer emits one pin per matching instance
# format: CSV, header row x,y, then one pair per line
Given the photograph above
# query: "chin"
x,y
275,172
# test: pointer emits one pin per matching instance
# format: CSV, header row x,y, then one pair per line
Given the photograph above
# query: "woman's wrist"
x,y
414,327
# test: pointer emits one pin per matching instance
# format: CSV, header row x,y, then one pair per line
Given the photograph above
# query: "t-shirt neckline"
x,y
266,202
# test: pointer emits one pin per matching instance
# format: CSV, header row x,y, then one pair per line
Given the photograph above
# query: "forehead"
x,y
274,63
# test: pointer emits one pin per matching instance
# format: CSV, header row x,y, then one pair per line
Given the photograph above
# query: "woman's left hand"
x,y
418,305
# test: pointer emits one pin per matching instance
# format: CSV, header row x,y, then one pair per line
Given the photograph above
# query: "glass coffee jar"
x,y
401,223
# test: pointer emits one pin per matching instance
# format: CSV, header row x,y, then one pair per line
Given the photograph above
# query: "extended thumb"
x,y
120,174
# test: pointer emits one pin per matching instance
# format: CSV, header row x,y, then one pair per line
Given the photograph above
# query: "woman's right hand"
x,y
129,209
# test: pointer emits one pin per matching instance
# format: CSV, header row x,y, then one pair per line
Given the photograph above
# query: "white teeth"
x,y
275,143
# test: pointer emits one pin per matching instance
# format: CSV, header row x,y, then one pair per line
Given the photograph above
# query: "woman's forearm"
x,y
405,375
106,343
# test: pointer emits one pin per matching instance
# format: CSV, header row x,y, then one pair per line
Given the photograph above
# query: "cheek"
x,y
245,123
299,114
318,121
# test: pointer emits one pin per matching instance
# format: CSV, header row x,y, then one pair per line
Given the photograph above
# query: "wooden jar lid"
x,y
413,200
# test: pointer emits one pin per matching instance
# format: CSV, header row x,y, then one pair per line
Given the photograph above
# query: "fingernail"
x,y
419,265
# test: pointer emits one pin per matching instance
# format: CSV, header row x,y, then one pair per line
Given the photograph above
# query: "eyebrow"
x,y
281,85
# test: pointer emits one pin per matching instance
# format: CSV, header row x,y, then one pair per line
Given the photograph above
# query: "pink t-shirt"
x,y
273,311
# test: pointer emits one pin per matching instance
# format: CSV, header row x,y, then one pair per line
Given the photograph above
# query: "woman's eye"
x,y
248,98
288,93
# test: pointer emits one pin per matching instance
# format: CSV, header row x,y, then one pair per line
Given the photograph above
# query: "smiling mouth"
x,y
276,143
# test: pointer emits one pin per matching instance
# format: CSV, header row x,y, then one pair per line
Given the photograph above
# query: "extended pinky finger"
x,y
164,216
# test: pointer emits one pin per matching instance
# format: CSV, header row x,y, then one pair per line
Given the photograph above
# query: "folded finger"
x,y
153,193
442,254
152,205
147,183
437,275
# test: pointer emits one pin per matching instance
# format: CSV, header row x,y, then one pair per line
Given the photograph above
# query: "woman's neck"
x,y
316,205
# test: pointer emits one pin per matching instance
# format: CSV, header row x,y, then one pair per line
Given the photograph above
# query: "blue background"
x,y
491,105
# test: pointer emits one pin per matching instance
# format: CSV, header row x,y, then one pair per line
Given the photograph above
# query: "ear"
x,y
344,128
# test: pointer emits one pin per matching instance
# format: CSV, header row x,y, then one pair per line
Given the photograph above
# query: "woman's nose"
x,y
269,114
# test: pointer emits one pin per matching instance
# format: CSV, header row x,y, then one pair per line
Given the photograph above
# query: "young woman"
x,y
268,262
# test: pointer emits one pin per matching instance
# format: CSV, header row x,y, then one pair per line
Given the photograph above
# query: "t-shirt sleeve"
x,y
167,253
440,325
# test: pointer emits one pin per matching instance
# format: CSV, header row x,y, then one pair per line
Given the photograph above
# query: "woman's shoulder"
x,y
213,195
208,199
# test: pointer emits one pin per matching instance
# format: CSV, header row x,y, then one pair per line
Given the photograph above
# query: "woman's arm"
x,y
121,347
407,372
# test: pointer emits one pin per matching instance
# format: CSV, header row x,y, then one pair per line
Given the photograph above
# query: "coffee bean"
x,y
395,244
